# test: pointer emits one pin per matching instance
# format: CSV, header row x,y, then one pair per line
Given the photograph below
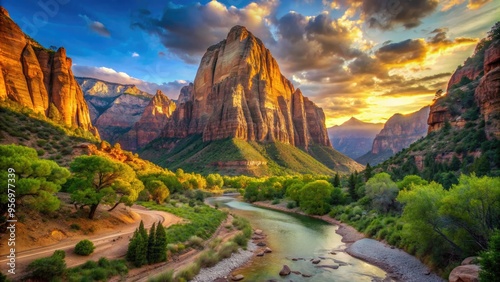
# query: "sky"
x,y
364,58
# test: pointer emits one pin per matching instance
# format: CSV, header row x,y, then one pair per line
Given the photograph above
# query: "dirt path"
x,y
111,244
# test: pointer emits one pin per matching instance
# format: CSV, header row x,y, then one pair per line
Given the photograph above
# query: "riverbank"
x,y
399,265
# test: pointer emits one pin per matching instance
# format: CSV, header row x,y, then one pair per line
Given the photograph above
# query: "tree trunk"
x,y
114,206
93,208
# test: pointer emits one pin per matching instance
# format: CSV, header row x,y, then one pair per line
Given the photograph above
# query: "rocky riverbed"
x,y
224,268
399,264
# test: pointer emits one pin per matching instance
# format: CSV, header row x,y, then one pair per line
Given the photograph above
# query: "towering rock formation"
x,y
152,121
354,137
398,133
39,79
239,92
114,108
487,94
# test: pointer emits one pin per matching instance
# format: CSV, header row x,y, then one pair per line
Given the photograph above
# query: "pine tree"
x,y
152,255
368,172
352,187
336,180
142,230
132,246
161,243
141,251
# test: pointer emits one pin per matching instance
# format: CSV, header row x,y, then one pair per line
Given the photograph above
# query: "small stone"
x,y
329,266
306,275
316,261
238,277
258,232
267,250
285,270
296,272
261,244
260,254
333,253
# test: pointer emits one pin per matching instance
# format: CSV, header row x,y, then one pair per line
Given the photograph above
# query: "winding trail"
x,y
111,245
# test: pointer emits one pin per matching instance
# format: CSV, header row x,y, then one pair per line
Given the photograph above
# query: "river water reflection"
x,y
296,236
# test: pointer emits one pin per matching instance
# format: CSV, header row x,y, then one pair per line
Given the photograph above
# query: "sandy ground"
x,y
398,264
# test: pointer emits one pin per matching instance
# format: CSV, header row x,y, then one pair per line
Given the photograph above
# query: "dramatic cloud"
x,y
400,53
308,43
96,26
187,31
387,14
472,4
171,89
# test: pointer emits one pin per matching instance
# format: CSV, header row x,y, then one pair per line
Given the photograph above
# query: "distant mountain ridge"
x,y
398,133
125,114
239,94
354,137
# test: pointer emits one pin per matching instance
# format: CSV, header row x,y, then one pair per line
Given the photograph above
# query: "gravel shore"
x,y
400,265
225,266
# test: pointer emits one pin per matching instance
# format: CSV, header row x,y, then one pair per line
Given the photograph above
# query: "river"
x,y
296,236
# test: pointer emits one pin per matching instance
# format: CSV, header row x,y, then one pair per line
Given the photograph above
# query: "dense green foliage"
x,y
84,247
102,270
35,181
99,180
203,221
490,260
48,268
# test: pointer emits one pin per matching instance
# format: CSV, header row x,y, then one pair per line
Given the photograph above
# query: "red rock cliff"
x,y
239,92
400,131
39,79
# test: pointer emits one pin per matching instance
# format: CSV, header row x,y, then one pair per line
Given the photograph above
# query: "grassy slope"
x,y
192,154
52,141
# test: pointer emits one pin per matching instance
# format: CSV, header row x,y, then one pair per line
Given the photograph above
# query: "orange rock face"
x,y
470,72
487,93
239,92
400,131
38,78
151,123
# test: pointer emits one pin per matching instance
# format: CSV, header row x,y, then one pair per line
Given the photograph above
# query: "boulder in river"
x,y
285,270
258,232
261,244
296,272
465,273
316,261
332,266
306,275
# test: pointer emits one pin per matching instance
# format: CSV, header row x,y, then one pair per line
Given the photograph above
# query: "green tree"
x,y
481,165
352,187
336,180
36,180
410,180
473,206
490,260
368,172
159,192
382,191
315,197
152,255
84,247
101,180
161,243
293,192
214,181
455,163
48,268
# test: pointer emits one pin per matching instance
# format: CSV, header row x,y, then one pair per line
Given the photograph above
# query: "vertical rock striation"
x,y
239,92
40,79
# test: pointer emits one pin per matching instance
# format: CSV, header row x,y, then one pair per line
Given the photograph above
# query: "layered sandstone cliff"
x,y
239,92
400,131
153,119
40,79
114,107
